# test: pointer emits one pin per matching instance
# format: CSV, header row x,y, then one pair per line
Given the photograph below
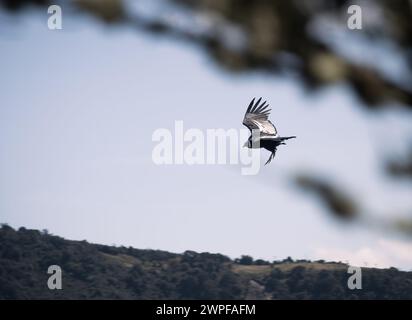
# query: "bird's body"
x,y
263,132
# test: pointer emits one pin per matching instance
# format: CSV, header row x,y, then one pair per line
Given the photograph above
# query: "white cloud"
x,y
384,254
398,250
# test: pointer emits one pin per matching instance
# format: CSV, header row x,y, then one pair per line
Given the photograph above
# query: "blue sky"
x,y
78,109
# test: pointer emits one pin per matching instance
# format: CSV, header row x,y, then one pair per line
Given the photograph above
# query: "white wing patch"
x,y
256,117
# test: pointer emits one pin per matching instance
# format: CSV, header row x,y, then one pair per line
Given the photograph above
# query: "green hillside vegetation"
x,y
92,271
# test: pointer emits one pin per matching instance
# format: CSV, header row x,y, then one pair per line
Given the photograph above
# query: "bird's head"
x,y
248,144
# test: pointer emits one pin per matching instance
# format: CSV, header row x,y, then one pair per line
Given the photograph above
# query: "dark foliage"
x,y
91,271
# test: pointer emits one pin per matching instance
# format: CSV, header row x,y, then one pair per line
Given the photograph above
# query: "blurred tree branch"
x,y
276,38
343,206
401,168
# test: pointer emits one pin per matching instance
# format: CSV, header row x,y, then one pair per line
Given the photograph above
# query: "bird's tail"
x,y
287,138
272,155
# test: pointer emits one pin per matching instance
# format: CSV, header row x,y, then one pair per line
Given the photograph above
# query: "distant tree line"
x,y
92,271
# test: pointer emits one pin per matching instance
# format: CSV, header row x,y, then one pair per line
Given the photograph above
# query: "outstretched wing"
x,y
256,117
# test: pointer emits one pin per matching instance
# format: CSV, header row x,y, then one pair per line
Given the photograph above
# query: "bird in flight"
x,y
263,132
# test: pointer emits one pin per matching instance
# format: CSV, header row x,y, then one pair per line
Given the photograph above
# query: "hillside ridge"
x,y
94,271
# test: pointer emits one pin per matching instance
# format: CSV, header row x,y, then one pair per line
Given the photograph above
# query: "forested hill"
x,y
91,271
